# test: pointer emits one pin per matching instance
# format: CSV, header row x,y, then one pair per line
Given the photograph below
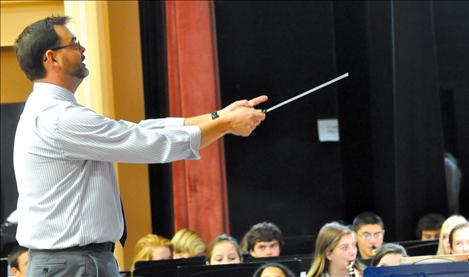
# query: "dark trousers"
x,y
93,260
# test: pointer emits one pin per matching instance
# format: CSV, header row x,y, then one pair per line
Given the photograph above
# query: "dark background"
x,y
406,100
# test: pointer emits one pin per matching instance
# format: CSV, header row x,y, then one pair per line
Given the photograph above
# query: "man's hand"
x,y
243,103
239,118
243,120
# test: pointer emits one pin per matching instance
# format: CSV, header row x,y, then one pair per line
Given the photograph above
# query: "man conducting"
x,y
69,206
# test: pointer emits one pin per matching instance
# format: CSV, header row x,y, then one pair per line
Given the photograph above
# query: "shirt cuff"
x,y
196,136
174,122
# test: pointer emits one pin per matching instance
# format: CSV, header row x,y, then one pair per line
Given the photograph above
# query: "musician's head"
x,y
336,250
389,254
263,240
370,233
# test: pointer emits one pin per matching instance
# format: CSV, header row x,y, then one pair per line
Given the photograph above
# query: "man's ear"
x,y
49,56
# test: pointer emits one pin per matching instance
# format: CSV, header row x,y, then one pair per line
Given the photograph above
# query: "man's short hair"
x,y
366,218
34,41
264,231
13,256
430,221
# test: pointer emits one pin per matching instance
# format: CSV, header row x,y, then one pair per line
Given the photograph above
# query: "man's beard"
x,y
81,72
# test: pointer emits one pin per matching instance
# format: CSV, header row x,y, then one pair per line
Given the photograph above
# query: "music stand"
x,y
455,269
167,268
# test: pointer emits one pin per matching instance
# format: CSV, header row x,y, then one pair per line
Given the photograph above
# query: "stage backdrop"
x,y
402,105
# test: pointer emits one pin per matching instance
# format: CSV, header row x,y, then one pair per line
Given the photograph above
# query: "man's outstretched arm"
x,y
239,118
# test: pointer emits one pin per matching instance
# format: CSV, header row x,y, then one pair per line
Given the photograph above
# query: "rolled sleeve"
x,y
195,135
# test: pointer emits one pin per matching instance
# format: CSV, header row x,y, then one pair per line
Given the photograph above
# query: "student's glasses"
x,y
368,236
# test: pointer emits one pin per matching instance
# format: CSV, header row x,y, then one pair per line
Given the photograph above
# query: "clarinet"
x,y
351,269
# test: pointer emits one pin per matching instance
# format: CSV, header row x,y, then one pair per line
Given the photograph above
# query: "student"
x,y
263,240
187,243
389,254
335,253
273,270
459,239
152,248
370,235
18,261
223,250
429,225
443,244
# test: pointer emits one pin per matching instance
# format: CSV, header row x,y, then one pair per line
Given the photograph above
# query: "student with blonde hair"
x,y
188,243
459,239
152,248
448,225
335,253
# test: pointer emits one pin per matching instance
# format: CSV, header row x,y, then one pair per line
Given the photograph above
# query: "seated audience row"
x,y
339,251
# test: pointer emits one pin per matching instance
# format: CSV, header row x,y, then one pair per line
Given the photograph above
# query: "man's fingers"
x,y
257,100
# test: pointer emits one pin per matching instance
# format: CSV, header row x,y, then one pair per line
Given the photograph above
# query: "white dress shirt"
x,y
63,154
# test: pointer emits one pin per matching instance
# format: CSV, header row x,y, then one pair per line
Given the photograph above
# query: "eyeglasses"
x,y
75,45
367,236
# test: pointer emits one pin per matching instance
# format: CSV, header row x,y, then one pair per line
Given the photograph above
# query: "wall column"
x,y
199,187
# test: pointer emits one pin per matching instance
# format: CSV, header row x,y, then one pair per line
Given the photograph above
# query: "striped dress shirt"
x,y
63,155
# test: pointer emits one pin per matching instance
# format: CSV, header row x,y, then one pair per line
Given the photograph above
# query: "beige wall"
x,y
129,105
125,85
15,15
15,87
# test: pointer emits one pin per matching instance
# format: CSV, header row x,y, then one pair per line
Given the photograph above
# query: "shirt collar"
x,y
55,91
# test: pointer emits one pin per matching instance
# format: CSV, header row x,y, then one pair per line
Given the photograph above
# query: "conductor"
x,y
69,206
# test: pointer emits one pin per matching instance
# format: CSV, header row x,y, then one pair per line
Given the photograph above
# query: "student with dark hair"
x,y
429,225
263,240
18,261
223,250
273,270
389,254
370,235
69,203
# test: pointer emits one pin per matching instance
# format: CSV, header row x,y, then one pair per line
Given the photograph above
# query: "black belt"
x,y
104,246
